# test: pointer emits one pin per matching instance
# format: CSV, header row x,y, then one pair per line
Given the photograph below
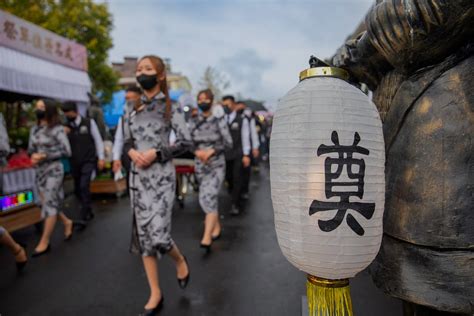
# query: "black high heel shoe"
x,y
154,311
68,237
20,265
184,282
79,225
75,224
37,254
214,238
206,247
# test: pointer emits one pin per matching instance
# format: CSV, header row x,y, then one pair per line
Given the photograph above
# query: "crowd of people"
x,y
223,137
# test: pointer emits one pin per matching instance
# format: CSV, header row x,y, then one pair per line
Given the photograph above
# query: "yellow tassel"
x,y
328,297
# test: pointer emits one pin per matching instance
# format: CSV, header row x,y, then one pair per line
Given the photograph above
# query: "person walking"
x,y
48,143
95,112
87,154
211,138
238,157
152,177
121,159
6,239
18,251
4,144
254,144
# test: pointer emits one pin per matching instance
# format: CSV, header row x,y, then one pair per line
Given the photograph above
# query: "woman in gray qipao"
x,y
211,138
152,174
47,145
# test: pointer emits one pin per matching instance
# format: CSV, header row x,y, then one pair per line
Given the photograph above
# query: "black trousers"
x,y
82,179
233,176
247,172
246,179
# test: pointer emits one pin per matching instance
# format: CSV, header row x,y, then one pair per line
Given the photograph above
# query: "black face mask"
x,y
147,82
70,119
240,111
204,106
226,110
40,114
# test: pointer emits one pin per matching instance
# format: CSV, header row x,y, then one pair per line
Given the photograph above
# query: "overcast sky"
x,y
261,46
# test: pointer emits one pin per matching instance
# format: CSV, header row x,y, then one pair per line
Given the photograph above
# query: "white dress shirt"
x,y
118,141
253,129
254,134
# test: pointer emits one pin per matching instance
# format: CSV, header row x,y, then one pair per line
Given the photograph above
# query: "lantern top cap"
x,y
319,68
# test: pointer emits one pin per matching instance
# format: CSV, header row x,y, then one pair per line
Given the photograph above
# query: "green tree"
x,y
83,21
214,80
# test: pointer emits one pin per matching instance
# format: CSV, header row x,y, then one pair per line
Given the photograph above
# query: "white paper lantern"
x,y
327,160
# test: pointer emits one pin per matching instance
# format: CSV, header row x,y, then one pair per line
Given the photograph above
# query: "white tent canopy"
x,y
26,74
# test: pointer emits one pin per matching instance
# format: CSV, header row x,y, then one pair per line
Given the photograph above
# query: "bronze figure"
x,y
417,58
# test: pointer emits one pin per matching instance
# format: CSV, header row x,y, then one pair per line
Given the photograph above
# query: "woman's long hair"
x,y
160,68
51,113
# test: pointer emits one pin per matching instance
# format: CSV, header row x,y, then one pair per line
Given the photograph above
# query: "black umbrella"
x,y
255,105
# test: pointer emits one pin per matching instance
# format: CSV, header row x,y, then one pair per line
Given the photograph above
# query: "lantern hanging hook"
x,y
316,62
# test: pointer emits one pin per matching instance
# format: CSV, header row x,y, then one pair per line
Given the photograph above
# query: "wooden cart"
x,y
20,218
22,214
109,186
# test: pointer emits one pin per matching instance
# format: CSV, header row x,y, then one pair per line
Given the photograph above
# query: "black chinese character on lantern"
x,y
335,187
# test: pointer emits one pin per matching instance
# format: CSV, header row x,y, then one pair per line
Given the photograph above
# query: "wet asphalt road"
x,y
94,274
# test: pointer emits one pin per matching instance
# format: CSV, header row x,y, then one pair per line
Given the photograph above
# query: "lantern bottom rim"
x,y
327,282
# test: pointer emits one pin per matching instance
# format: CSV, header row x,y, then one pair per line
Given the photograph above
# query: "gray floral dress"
x,y
4,145
152,189
207,133
4,150
50,173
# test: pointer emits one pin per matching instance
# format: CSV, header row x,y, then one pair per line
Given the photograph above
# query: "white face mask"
x,y
131,104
